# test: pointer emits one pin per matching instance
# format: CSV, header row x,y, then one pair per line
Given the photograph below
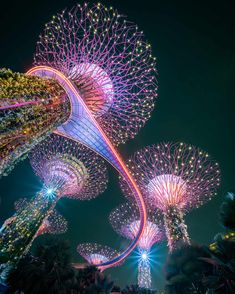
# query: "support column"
x,y
17,233
144,271
176,229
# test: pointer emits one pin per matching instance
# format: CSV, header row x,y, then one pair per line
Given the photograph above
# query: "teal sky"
x,y
194,45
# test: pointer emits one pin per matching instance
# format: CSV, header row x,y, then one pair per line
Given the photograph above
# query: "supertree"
x,y
107,59
125,220
55,223
30,108
96,254
67,170
20,204
174,178
114,70
107,71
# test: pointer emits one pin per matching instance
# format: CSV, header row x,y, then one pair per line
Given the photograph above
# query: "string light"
x,y
110,63
103,60
67,169
55,223
30,107
125,221
96,254
174,178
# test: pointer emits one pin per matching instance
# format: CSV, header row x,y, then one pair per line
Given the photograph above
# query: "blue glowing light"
x,y
49,191
144,256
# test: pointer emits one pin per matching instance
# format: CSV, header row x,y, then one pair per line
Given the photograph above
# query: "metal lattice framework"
x,y
175,174
72,168
95,253
109,60
107,71
55,223
174,178
125,221
30,109
67,169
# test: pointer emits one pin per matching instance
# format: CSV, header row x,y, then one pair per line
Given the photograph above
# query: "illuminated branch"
x,y
53,224
107,70
67,170
109,60
95,253
30,108
125,221
174,178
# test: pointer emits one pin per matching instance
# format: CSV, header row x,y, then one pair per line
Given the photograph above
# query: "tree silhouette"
x,y
91,281
198,269
185,270
49,271
222,278
135,289
227,212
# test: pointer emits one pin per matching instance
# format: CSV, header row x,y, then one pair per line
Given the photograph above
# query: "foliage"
x,y
115,289
49,271
91,281
227,212
185,271
135,289
196,269
189,269
19,231
222,278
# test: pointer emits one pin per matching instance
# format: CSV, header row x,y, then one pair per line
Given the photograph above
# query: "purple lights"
x,y
103,64
174,174
97,90
95,253
68,168
55,223
125,221
174,178
151,234
108,72
108,60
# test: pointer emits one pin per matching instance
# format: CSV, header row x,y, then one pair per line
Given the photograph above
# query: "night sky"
x,y
194,45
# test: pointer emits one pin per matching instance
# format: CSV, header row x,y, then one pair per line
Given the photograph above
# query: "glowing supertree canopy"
x,y
110,62
67,169
174,178
105,56
125,221
30,107
95,253
107,70
55,223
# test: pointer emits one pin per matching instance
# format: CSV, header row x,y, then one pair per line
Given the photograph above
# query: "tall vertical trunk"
x,y
176,229
30,108
18,232
144,270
